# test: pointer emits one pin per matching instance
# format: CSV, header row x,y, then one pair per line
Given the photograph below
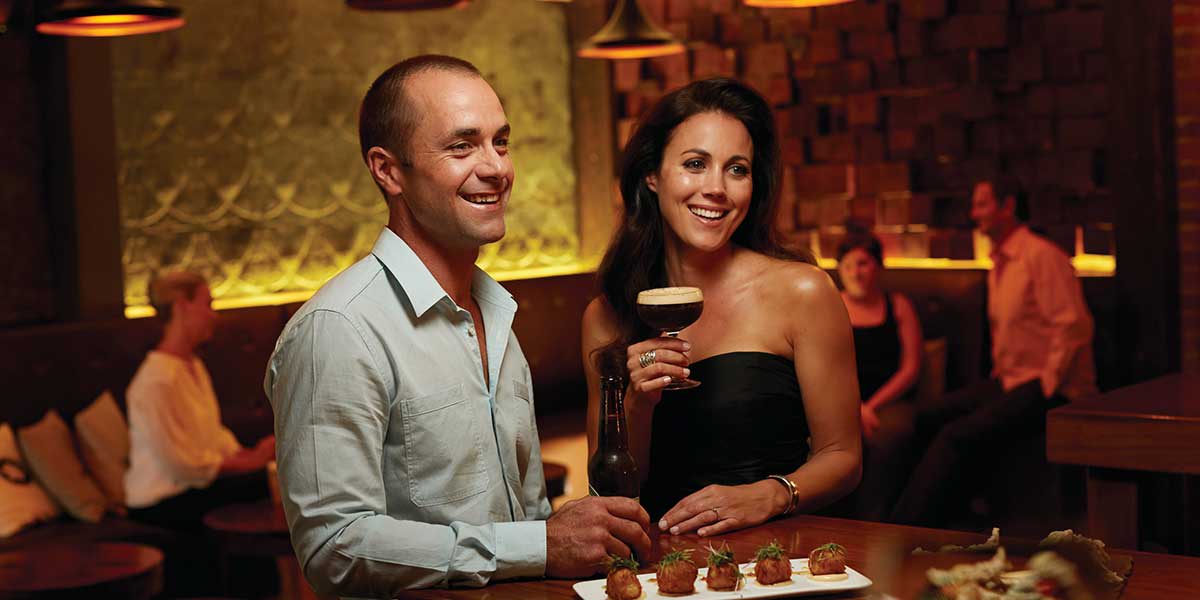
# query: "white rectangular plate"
x,y
801,585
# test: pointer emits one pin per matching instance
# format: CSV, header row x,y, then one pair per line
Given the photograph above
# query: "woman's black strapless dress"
x,y
744,422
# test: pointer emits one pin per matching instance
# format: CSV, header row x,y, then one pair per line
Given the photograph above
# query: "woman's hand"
x,y
718,509
670,360
870,420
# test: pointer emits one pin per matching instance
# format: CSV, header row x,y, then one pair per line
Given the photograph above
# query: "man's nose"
x,y
491,165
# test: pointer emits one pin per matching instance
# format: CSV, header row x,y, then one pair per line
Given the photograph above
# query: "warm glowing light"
x,y
405,4
629,33
793,3
140,311
623,52
1086,265
109,25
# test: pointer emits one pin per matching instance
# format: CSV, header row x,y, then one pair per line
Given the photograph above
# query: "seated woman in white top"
x,y
183,461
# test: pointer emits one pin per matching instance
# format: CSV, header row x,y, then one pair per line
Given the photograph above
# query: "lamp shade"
x,y
108,18
793,3
405,4
629,33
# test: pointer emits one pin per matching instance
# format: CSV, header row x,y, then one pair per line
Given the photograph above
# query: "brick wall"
x,y
1187,122
890,110
27,292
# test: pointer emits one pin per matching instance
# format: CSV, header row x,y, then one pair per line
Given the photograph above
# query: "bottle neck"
x,y
612,434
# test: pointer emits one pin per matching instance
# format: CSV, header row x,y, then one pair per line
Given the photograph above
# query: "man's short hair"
x,y
165,288
386,117
1007,186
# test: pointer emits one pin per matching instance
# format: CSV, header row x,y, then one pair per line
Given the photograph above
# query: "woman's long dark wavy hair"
x,y
635,259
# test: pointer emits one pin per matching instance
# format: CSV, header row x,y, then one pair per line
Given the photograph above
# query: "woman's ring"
x,y
647,358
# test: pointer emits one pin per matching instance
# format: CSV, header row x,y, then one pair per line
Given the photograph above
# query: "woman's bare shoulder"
x,y
599,321
798,281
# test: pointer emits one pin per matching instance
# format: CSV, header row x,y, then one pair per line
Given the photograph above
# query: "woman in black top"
x,y
700,180
887,347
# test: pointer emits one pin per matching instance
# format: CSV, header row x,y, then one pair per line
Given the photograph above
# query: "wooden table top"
x,y
76,566
250,529
1150,426
247,518
879,551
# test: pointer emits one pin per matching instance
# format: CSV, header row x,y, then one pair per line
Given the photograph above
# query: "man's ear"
x,y
385,169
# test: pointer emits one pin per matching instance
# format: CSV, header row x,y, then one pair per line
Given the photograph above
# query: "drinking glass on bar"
x,y
670,310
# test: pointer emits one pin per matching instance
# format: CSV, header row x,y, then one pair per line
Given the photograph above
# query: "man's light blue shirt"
x,y
400,466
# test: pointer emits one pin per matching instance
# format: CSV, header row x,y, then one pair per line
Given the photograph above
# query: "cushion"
x,y
22,501
104,446
50,452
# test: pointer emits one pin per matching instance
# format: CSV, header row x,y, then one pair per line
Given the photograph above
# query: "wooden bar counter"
x,y
879,551
1153,426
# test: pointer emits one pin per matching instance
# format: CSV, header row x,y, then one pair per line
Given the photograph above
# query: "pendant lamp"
x,y
108,18
793,3
405,4
629,33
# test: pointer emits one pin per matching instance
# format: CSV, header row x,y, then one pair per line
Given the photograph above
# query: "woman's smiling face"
x,y
704,184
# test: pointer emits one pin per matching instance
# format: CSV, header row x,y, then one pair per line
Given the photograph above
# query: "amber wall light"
x,y
107,18
629,33
405,4
793,3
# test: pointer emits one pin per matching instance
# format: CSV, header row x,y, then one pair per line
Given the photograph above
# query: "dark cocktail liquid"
x,y
670,317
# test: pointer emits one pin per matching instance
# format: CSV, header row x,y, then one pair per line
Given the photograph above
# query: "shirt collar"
x,y
419,284
1009,247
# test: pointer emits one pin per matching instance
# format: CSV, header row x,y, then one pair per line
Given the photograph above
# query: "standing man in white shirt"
x,y
1041,354
408,449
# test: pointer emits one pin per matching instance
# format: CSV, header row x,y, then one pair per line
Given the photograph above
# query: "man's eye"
x,y
461,147
501,143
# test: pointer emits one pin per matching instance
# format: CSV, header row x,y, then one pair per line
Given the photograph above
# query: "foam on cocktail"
x,y
670,295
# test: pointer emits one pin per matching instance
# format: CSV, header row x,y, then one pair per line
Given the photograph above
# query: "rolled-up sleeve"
x,y
332,402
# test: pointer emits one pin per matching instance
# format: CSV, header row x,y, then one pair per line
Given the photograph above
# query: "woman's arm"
x,y
823,348
911,337
645,384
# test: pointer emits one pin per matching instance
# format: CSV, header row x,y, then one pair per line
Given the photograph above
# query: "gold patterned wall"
x,y
238,150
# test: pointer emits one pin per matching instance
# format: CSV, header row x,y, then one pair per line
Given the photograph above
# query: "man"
x,y
1041,353
408,451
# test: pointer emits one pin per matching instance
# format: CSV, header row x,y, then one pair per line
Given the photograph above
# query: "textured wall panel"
x,y
27,278
238,150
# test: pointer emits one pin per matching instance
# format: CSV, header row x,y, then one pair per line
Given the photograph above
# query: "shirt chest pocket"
x,y
443,448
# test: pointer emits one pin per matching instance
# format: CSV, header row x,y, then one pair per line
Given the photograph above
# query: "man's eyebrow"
x,y
467,132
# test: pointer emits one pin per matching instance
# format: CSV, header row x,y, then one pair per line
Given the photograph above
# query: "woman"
x,y
887,346
183,461
772,349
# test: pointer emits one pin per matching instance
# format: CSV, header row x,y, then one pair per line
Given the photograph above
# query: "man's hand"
x,y
265,449
585,531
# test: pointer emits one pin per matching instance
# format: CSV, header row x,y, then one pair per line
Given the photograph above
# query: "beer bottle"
x,y
611,469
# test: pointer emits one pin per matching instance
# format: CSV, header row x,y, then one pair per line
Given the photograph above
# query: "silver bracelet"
x,y
791,490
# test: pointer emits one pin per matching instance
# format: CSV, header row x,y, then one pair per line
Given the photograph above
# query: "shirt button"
x,y
470,333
